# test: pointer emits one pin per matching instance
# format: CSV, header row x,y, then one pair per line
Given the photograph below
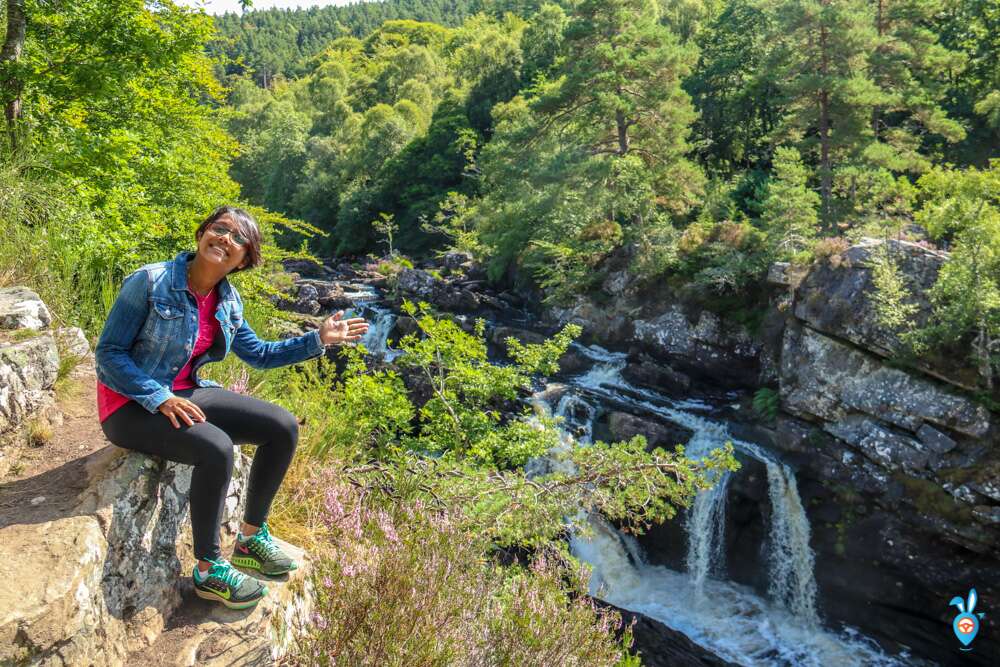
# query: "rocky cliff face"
x,y
899,468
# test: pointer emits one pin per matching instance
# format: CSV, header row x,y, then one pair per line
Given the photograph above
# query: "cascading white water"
x,y
725,617
792,584
376,340
381,321
705,530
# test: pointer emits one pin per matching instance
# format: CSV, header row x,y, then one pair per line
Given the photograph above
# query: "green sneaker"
x,y
224,583
261,552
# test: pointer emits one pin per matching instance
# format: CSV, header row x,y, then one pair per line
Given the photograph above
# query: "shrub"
x,y
829,247
766,403
400,583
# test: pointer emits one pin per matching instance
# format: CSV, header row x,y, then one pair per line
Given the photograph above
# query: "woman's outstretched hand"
x,y
335,331
179,410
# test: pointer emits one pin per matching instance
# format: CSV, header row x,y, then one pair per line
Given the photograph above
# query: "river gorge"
x,y
864,502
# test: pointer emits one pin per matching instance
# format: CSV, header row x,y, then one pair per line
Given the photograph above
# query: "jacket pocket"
x,y
165,322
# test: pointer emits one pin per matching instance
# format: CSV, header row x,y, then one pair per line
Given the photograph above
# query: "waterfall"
x,y
791,559
381,322
706,535
729,619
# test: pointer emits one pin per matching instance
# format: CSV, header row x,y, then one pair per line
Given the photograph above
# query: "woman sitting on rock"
x,y
170,319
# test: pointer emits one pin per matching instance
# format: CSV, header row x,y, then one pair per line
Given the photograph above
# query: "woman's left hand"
x,y
335,331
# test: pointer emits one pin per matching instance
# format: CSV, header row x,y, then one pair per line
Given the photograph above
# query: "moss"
x,y
19,335
965,474
932,500
840,546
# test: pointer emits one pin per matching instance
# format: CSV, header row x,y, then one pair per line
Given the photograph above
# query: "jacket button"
x,y
174,368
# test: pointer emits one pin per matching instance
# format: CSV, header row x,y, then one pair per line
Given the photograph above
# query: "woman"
x,y
170,319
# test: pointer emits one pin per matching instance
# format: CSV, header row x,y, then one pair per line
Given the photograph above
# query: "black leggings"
x,y
231,419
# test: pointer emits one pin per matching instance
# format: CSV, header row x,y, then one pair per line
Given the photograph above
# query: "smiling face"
x,y
222,251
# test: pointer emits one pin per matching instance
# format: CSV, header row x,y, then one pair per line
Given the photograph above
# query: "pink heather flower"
x,y
385,525
319,620
349,570
327,582
242,383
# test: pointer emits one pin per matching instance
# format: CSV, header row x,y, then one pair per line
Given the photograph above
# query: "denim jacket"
x,y
153,325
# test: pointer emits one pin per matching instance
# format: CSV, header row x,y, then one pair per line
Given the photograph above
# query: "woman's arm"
x,y
115,366
271,354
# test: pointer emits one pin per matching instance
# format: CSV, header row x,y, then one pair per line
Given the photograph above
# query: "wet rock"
x,y
500,334
606,326
403,326
836,299
935,440
305,267
21,308
777,274
661,646
656,376
574,362
706,348
464,300
308,292
511,299
457,260
987,514
658,432
617,283
825,379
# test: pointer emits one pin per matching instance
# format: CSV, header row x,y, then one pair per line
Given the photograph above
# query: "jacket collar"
x,y
178,276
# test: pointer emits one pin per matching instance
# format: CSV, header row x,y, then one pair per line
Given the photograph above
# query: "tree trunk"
x,y
880,28
622,133
9,55
825,166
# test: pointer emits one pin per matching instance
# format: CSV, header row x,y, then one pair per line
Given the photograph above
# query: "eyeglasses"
x,y
222,230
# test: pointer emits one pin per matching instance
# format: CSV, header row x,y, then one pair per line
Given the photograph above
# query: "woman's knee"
x,y
217,451
287,427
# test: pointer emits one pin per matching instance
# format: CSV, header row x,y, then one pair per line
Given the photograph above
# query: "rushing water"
x,y
380,319
729,619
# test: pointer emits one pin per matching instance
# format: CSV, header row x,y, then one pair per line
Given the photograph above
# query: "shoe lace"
x,y
271,548
224,570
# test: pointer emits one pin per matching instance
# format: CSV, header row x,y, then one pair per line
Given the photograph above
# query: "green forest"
x,y
702,139
699,141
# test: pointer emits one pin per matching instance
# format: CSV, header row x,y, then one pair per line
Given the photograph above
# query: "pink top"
x,y
109,400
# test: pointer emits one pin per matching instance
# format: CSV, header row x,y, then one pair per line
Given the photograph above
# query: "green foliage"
x,y
724,257
892,298
280,43
463,414
963,207
736,98
766,403
789,208
599,147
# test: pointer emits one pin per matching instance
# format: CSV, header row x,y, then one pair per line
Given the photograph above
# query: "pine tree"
x,y
821,60
911,68
789,209
621,91
597,157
